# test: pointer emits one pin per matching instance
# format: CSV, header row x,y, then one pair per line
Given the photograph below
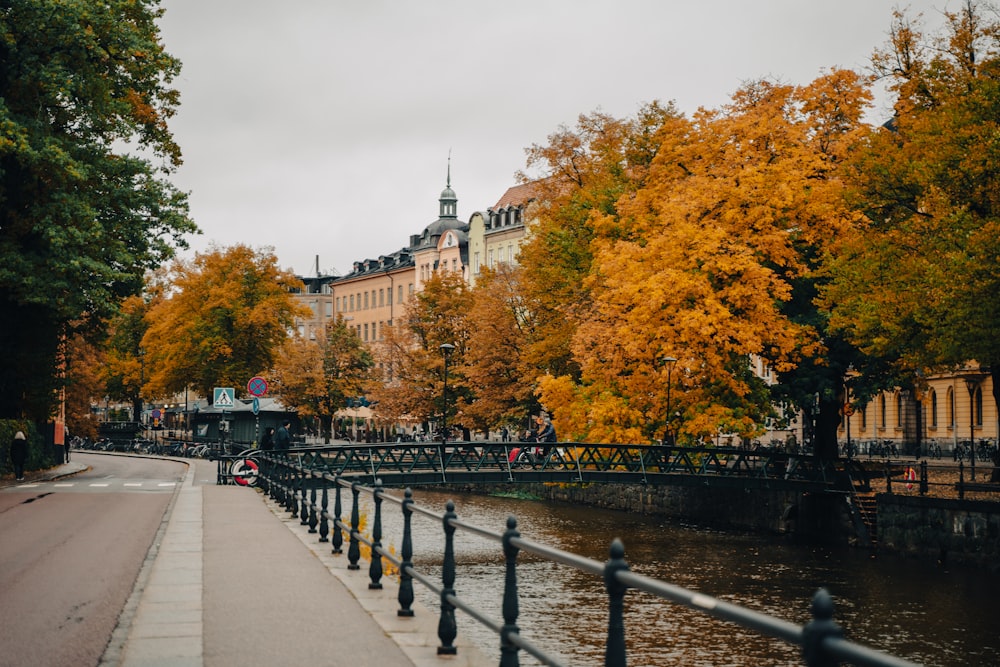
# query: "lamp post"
x,y
446,350
972,381
669,363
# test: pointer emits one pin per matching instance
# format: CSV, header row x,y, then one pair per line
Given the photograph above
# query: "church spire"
x,y
448,200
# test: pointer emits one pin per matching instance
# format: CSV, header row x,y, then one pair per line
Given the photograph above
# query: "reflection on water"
x,y
916,611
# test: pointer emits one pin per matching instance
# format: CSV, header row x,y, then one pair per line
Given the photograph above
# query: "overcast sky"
x,y
323,127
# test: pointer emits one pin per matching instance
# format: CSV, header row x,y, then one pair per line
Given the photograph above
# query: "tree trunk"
x,y
827,422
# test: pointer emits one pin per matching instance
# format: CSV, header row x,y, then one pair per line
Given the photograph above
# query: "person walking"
x,y
267,442
19,454
283,438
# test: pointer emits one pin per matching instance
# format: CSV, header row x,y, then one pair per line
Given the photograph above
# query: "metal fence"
x,y
305,492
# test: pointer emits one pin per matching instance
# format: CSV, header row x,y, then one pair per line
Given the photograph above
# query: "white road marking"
x,y
133,483
167,484
27,486
101,485
63,485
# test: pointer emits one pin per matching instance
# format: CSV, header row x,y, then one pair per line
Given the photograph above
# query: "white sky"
x,y
323,127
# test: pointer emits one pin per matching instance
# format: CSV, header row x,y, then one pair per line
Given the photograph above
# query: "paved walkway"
x,y
231,580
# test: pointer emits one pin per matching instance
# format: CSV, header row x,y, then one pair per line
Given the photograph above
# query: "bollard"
x,y
338,536
405,596
818,629
375,567
447,629
511,609
354,548
313,519
614,652
324,517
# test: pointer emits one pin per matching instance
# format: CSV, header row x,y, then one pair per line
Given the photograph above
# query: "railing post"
x,y
511,609
324,518
924,486
888,477
405,596
375,567
313,519
614,651
961,480
303,498
337,540
354,548
818,629
447,629
290,503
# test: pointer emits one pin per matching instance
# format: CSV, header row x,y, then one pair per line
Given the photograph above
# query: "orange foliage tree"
x,y
223,320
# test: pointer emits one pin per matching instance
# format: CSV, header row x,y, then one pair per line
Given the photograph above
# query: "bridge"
x,y
423,463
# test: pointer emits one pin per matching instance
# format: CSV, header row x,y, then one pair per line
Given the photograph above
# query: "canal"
x,y
935,616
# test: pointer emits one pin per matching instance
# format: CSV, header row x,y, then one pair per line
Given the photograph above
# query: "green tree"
x,y
919,282
85,207
225,317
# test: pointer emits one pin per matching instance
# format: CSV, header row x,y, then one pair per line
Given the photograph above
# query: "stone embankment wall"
x,y
942,530
931,529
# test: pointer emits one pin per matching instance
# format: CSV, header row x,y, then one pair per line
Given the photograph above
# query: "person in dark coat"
x,y
267,442
19,454
283,438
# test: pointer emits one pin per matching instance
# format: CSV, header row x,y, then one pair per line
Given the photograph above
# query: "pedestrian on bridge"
x,y
267,441
283,438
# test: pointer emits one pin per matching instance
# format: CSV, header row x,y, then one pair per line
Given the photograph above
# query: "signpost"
x,y
257,386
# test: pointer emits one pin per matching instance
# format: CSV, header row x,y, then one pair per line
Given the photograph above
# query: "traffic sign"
x,y
257,386
224,397
256,405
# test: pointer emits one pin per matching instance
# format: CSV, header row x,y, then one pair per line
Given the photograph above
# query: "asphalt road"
x,y
70,552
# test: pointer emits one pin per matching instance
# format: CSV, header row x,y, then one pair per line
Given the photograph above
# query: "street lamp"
x,y
972,381
446,350
669,363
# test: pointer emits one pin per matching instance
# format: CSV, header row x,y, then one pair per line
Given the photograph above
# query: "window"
x,y
899,409
951,407
328,308
389,294
366,331
381,297
978,406
864,417
400,298
352,302
933,402
366,301
489,262
475,263
881,407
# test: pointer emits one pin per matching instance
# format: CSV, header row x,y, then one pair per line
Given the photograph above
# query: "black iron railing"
x,y
304,490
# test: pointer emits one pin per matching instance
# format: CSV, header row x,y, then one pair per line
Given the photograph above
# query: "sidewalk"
x,y
231,581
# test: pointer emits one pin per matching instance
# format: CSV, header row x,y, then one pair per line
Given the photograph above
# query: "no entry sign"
x,y
257,386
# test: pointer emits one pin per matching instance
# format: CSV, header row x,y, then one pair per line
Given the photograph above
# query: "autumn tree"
x,y
316,378
411,357
227,314
124,370
585,170
919,283
84,384
701,261
85,204
499,326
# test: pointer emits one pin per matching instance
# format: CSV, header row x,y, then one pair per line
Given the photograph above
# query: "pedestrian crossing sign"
x,y
224,397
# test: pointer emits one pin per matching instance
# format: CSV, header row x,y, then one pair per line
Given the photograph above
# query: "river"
x,y
934,616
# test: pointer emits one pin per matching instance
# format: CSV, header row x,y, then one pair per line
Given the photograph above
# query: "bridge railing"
x,y
305,491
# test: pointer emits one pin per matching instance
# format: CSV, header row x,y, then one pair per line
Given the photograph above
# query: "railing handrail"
x,y
288,482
